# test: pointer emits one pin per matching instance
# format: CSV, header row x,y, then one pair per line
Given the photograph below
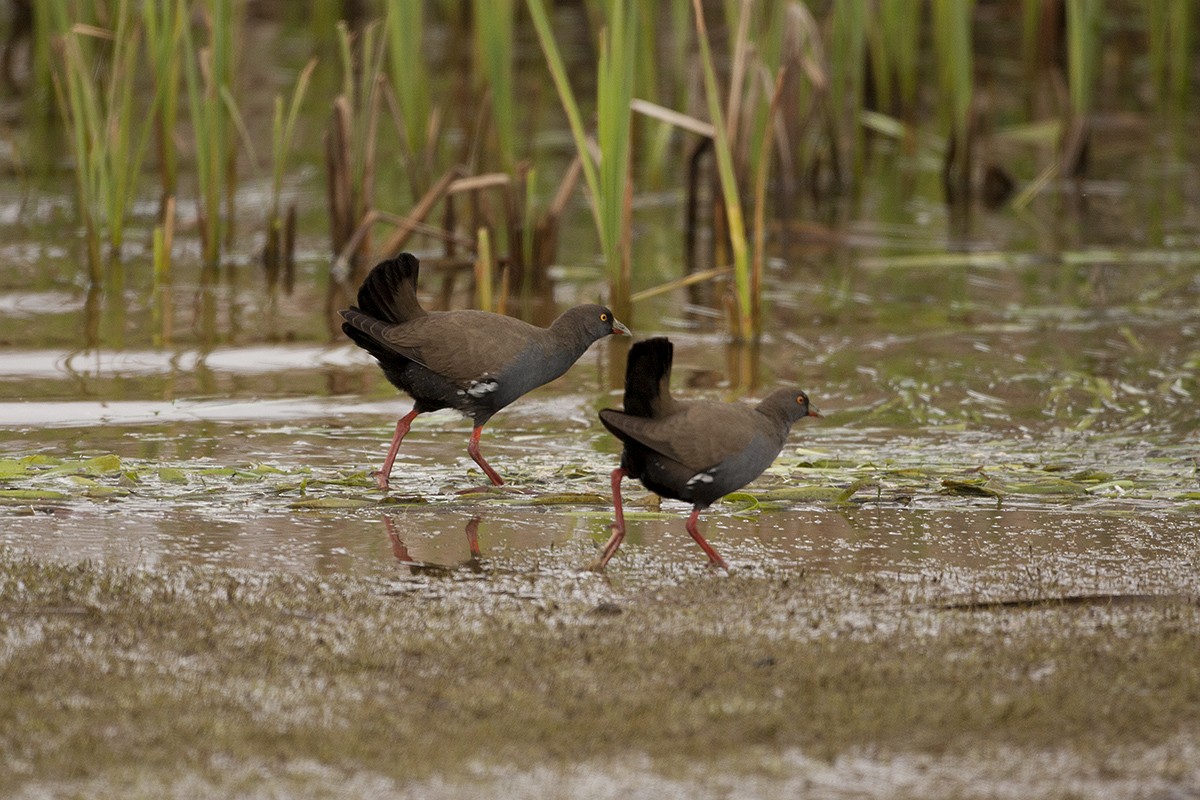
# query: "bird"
x,y
474,362
697,451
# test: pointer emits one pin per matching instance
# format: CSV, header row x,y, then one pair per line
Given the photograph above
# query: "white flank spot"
x,y
480,388
701,477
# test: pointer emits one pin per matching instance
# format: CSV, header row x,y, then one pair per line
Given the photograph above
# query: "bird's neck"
x,y
778,416
567,341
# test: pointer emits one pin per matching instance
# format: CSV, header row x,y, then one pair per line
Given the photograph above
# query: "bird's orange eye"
x,y
801,399
604,317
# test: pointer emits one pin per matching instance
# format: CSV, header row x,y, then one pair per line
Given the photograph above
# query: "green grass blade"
x,y
1083,50
618,56
952,43
410,79
743,326
558,72
494,50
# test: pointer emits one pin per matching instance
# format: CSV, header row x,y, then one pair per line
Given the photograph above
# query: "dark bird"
x,y
696,451
472,361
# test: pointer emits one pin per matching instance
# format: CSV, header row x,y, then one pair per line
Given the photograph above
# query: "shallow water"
x,y
1000,431
998,386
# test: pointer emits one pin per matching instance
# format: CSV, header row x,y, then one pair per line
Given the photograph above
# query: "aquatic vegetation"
x,y
494,30
956,86
350,155
279,251
109,133
743,323
801,91
1169,47
164,23
421,121
1083,54
608,181
1058,474
209,70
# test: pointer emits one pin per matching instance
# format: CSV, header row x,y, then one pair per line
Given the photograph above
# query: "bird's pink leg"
x,y
402,426
618,526
715,559
473,450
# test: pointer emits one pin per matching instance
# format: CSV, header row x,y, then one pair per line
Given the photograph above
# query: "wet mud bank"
x,y
677,678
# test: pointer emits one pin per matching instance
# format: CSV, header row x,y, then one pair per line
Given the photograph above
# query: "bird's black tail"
x,y
648,377
390,292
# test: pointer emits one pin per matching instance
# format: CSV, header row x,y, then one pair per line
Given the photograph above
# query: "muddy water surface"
x,y
984,432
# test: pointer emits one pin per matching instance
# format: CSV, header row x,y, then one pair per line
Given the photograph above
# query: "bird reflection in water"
x,y
474,562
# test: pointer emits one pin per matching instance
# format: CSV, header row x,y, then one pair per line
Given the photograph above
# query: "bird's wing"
x,y
462,346
699,435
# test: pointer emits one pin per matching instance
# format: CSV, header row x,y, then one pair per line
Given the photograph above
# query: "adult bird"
x,y
474,362
695,451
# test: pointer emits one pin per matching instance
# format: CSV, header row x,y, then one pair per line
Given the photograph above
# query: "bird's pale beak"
x,y
619,329
812,412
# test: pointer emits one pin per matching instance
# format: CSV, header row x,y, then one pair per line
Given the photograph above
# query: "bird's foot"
x,y
610,547
381,480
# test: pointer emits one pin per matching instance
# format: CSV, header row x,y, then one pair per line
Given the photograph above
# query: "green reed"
x,y
847,73
163,21
745,142
42,108
614,95
951,21
788,75
894,41
1083,59
1169,50
1083,52
405,31
95,78
658,78
494,41
485,271
283,132
209,74
350,144
277,255
760,61
742,326
608,181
